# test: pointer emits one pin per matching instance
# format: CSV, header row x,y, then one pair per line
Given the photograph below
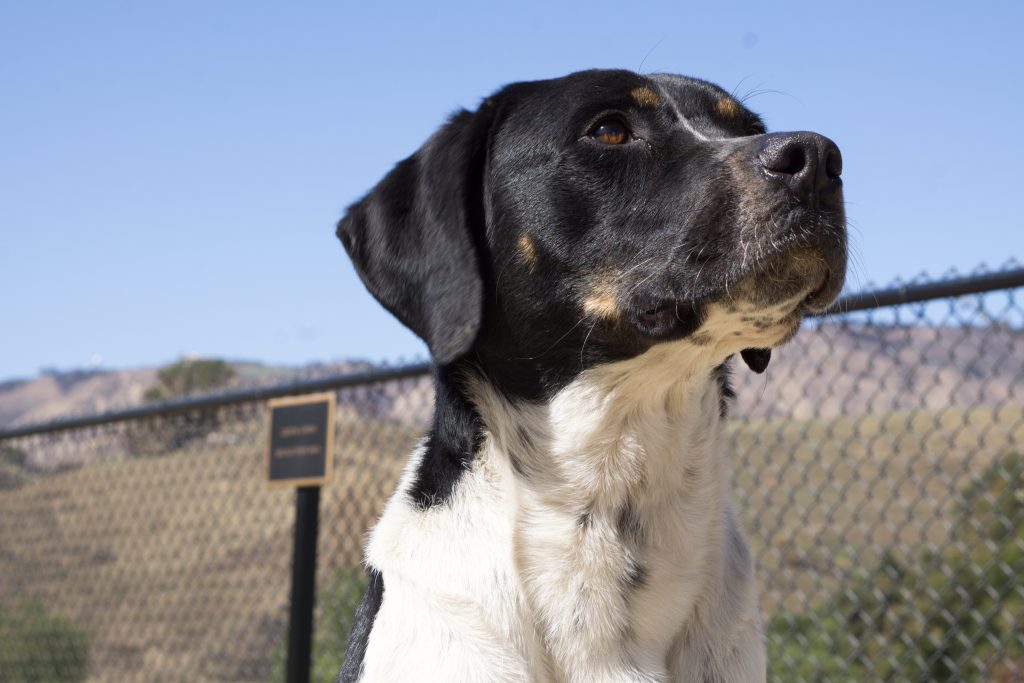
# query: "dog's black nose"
x,y
808,163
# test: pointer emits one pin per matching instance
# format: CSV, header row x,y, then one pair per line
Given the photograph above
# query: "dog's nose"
x,y
808,163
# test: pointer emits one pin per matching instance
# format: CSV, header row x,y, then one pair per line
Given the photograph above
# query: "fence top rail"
x,y
928,291
249,395
880,298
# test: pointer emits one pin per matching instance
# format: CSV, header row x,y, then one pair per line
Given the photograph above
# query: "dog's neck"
x,y
618,500
624,430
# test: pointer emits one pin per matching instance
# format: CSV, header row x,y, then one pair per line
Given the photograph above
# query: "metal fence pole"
x,y
300,626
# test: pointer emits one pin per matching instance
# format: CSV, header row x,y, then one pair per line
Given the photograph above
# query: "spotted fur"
x,y
567,518
605,557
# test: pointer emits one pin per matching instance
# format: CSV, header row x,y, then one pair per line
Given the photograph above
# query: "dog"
x,y
583,256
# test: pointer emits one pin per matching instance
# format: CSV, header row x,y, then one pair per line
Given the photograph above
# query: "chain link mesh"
x,y
879,471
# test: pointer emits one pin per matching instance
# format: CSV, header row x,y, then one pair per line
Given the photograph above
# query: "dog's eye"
x,y
610,132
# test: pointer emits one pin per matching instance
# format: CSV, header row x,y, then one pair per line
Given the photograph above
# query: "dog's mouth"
x,y
804,280
789,284
820,297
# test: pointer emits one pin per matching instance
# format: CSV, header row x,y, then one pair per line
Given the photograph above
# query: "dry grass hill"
x,y
836,370
855,447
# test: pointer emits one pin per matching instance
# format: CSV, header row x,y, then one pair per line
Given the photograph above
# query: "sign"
x,y
300,440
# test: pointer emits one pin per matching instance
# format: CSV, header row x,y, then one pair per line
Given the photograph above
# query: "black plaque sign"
x,y
300,440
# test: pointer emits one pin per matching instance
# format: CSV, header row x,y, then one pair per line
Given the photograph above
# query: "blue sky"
x,y
170,173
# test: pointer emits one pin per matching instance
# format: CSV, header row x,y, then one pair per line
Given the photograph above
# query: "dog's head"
x,y
584,219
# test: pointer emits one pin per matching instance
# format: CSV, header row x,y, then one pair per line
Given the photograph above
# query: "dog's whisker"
x,y
553,345
501,272
584,345
634,267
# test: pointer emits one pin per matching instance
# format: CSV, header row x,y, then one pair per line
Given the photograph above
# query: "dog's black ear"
x,y
415,239
756,359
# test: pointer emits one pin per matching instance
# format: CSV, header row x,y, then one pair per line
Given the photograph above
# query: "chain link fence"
x,y
879,468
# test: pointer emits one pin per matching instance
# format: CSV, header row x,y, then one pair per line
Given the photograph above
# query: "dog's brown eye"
x,y
610,132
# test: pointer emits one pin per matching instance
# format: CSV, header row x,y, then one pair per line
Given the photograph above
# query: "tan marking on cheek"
x,y
527,252
599,302
645,97
727,107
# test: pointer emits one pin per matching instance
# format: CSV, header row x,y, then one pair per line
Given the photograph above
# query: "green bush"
x,y
36,647
947,617
13,467
336,602
160,434
9,455
188,377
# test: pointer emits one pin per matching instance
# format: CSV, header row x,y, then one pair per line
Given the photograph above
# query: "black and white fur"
x,y
583,256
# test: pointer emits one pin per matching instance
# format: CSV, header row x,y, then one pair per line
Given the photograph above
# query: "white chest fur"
x,y
593,541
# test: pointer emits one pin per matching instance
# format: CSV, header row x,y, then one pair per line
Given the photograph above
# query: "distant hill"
x,y
825,372
56,394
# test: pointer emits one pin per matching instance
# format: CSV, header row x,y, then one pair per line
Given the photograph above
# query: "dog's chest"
x,y
451,593
576,547
616,521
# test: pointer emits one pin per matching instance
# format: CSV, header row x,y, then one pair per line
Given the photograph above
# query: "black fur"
x,y
524,248
451,445
415,240
652,222
362,624
636,575
647,229
629,527
725,391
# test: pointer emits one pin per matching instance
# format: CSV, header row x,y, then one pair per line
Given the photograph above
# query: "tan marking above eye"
x,y
527,251
645,97
727,106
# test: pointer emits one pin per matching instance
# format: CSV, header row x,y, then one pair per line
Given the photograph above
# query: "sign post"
x,y
300,445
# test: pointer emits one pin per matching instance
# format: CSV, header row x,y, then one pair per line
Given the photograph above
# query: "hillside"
x,y
56,394
825,372
856,448
178,565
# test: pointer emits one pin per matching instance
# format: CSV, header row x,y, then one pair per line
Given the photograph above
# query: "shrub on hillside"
x,y
13,467
189,377
164,433
37,647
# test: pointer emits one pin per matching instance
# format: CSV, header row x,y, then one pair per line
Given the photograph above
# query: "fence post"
x,y
300,625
